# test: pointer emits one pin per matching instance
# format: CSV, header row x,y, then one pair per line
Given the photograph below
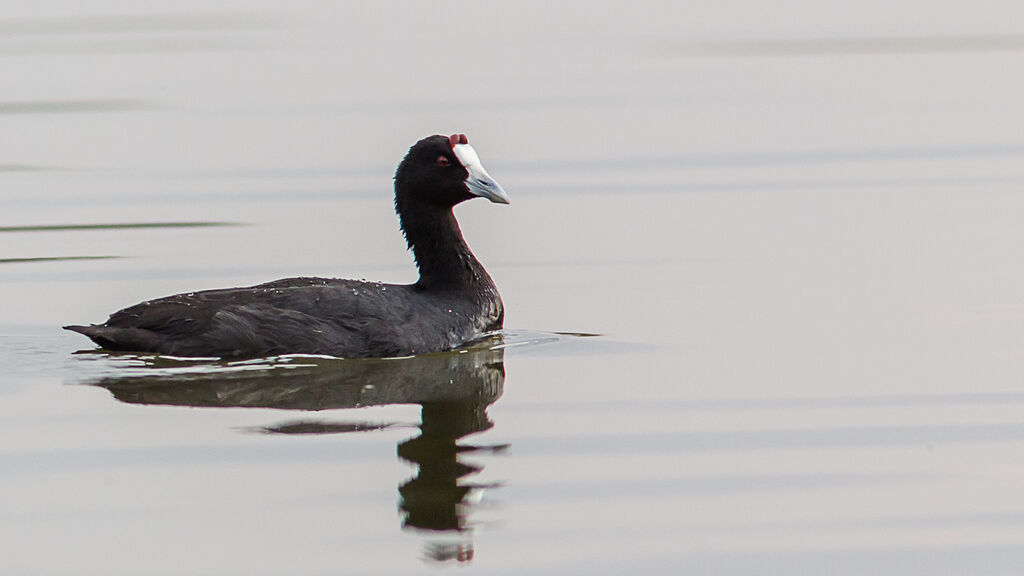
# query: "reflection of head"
x,y
432,498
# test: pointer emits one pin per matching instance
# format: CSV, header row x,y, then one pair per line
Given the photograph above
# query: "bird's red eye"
x,y
443,161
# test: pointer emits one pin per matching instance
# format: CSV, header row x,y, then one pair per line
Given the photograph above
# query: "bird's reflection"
x,y
454,390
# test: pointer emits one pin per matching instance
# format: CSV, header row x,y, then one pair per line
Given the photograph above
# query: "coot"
x,y
453,302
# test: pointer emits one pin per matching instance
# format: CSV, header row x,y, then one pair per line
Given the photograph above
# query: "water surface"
x,y
795,231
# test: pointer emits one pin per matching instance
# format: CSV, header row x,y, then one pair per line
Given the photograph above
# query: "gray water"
x,y
794,228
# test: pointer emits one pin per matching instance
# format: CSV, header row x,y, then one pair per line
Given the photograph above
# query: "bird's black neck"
x,y
442,256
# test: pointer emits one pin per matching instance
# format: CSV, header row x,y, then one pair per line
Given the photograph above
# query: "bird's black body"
x,y
454,301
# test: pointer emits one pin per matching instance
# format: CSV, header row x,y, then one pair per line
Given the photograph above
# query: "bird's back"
x,y
334,317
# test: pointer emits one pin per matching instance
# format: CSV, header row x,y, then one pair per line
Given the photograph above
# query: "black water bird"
x,y
453,302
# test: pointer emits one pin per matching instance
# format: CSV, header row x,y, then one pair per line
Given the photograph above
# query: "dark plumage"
x,y
453,302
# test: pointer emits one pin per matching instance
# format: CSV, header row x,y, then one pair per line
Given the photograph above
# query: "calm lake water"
x,y
795,231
